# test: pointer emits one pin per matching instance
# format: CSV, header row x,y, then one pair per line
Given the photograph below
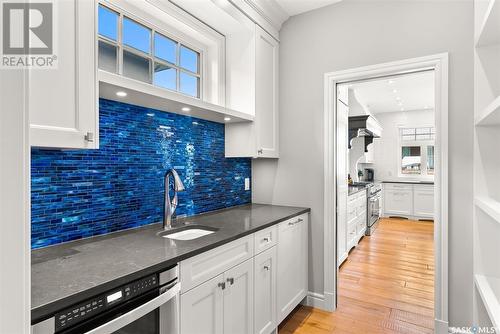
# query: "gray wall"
x,y
358,33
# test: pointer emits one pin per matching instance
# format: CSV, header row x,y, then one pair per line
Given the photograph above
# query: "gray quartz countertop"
x,y
69,273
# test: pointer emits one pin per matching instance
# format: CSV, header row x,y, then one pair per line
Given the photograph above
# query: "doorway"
x,y
438,65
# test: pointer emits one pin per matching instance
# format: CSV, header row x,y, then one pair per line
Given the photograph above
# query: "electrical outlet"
x,y
247,183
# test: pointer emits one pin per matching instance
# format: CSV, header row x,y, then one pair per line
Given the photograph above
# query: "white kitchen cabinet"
x,y
265,291
292,264
398,199
232,289
414,201
63,100
423,201
202,309
357,218
239,299
259,139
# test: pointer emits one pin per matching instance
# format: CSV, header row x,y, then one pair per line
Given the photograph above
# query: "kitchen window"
x,y
416,151
134,50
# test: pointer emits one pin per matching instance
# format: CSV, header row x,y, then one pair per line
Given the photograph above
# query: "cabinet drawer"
x,y
265,239
351,212
351,231
361,225
202,267
361,205
398,186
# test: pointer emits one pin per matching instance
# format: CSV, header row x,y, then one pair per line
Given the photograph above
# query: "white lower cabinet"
x,y
265,291
239,299
202,309
423,201
398,199
241,289
292,264
409,200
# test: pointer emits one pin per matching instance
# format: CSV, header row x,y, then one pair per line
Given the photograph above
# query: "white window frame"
x,y
174,23
423,144
121,48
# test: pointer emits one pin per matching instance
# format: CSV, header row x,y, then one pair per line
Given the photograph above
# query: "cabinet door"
x,y
423,201
342,171
266,94
63,100
202,308
292,264
398,201
265,291
238,299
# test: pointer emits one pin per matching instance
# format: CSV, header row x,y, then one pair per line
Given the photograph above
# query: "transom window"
x,y
131,49
417,151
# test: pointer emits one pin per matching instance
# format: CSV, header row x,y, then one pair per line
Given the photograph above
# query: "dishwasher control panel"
x,y
101,303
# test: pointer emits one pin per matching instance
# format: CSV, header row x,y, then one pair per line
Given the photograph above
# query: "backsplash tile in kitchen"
x,y
82,193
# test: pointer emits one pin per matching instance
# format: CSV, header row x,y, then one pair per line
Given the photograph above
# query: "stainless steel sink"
x,y
187,232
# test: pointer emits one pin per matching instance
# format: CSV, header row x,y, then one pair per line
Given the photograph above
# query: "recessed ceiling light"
x,y
121,94
394,90
186,109
402,109
398,98
390,82
227,119
400,103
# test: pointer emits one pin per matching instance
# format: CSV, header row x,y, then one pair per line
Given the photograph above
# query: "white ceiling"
x,y
400,93
294,7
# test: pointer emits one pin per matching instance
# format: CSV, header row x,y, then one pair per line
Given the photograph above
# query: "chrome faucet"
x,y
169,206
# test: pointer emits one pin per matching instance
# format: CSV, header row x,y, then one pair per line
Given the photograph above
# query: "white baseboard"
x,y
324,302
316,300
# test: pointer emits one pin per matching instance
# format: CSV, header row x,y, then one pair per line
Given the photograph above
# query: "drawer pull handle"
x,y
222,285
300,220
266,268
230,281
265,239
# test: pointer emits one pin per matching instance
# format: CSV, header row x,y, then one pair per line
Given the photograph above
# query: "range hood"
x,y
365,126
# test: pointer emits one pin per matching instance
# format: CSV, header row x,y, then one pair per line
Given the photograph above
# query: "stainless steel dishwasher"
x,y
149,305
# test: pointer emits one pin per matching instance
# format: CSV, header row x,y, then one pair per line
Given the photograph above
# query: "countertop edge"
x,y
45,311
410,182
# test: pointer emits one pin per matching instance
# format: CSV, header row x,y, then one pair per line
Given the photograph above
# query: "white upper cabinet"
x,y
260,139
63,100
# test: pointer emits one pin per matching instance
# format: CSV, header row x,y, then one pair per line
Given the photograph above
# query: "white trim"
x,y
440,327
439,63
15,223
316,300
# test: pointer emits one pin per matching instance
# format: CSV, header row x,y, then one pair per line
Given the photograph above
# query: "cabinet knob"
x,y
222,285
89,136
230,281
266,268
265,239
260,151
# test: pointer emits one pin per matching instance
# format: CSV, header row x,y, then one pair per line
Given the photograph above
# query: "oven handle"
x,y
137,313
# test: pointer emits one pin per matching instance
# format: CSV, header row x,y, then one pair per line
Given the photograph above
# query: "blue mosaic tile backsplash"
x,y
83,193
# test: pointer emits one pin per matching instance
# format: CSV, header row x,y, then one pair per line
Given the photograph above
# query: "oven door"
x,y
160,315
156,312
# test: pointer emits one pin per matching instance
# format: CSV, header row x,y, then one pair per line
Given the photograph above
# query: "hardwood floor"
x,y
385,286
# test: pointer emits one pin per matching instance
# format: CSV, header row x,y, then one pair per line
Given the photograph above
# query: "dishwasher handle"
x,y
137,313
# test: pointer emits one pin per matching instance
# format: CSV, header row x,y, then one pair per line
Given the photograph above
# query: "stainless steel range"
x,y
374,205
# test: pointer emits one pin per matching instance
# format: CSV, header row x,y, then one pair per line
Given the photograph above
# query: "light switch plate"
x,y
247,183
